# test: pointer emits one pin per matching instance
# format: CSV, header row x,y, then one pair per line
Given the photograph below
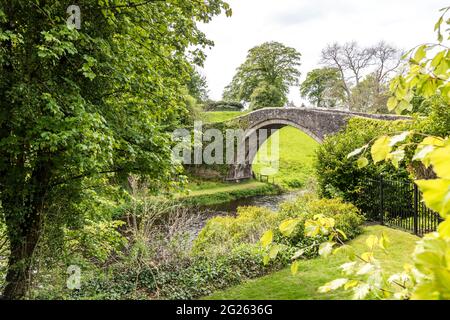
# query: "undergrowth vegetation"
x,y
154,252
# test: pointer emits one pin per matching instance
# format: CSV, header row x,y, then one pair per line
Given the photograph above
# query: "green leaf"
x,y
333,285
396,157
361,291
288,226
267,238
399,138
437,59
298,254
420,53
342,233
372,241
326,248
440,159
437,26
273,253
356,152
294,267
266,259
422,153
367,256
425,291
362,162
381,149
444,231
384,242
392,103
433,141
351,284
347,250
365,269
348,268
436,194
311,229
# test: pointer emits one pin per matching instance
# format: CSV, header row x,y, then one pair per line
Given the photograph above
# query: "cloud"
x,y
308,26
289,17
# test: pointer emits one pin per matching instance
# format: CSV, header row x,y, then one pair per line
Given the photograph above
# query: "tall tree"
x,y
323,87
197,86
370,95
79,104
271,64
267,96
355,64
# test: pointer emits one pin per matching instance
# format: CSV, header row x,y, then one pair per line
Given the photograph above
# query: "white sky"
x,y
308,26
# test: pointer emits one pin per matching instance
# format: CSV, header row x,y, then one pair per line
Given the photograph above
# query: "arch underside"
x,y
245,171
274,124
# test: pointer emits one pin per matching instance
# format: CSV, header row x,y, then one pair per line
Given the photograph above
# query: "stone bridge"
x,y
317,123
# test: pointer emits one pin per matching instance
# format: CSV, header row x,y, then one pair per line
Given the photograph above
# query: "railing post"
x,y
381,200
416,210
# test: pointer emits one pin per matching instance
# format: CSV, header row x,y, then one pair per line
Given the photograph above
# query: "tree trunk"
x,y
18,278
22,246
23,216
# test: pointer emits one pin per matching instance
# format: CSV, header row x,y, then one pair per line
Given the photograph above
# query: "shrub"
x,y
187,279
226,252
348,217
223,106
221,234
339,176
294,183
437,121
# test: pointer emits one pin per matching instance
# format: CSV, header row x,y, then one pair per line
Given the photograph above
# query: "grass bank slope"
x,y
316,272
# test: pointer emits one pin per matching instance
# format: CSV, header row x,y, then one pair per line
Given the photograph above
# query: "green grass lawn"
x,y
210,193
316,272
220,116
211,187
297,152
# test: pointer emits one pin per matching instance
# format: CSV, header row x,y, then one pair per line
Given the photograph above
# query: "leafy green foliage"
x,y
339,175
229,106
427,76
188,279
370,96
323,87
223,233
79,104
197,86
311,227
271,68
267,96
428,276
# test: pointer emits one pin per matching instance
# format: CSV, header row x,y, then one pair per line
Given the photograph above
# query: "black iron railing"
x,y
399,204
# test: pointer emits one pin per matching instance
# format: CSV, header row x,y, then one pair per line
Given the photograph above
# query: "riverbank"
x,y
205,194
